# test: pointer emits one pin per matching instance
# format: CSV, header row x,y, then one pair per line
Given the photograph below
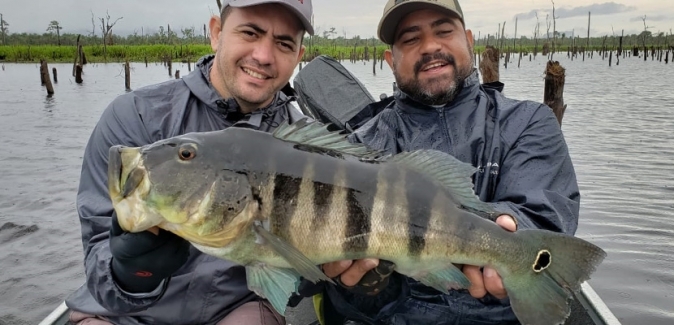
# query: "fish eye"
x,y
187,153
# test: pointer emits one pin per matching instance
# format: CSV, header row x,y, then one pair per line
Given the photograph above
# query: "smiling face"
x,y
431,56
257,49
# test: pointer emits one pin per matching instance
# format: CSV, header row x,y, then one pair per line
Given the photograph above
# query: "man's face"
x,y
257,49
431,57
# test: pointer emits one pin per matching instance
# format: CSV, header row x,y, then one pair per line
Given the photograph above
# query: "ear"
x,y
300,55
215,27
388,56
469,36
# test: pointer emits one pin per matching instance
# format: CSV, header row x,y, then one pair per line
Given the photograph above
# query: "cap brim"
x,y
389,23
305,22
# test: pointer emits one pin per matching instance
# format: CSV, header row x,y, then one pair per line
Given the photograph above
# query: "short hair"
x,y
223,15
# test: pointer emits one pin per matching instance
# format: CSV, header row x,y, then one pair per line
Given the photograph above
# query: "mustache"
x,y
427,58
252,63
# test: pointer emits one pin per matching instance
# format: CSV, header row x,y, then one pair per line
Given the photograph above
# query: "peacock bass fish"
x,y
282,203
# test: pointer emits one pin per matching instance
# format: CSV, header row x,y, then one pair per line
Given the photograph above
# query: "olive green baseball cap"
x,y
396,10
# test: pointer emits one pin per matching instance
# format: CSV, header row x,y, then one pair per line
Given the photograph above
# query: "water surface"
x,y
618,126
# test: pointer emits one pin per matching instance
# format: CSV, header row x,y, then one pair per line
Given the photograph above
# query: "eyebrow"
x,y
416,28
260,30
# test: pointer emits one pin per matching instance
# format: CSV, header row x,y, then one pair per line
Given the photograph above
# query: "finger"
x,y
154,230
115,228
334,269
474,275
493,283
353,274
507,222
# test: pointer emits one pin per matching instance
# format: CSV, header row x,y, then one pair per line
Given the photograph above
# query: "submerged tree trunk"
x,y
555,76
44,71
489,64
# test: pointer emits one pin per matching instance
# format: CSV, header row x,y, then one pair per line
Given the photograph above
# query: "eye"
x,y
287,46
410,40
187,153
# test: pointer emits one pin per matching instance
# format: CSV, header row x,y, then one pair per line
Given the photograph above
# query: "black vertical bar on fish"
x,y
322,195
358,224
286,196
362,185
419,207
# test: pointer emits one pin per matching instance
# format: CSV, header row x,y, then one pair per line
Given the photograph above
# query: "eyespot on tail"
x,y
552,270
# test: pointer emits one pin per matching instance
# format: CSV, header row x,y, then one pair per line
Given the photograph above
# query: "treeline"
x,y
189,37
561,40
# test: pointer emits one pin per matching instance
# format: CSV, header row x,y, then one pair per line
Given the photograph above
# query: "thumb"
x,y
507,222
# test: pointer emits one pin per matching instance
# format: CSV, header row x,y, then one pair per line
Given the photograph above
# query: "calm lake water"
x,y
618,124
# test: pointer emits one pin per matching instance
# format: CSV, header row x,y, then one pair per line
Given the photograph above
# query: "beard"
x,y
423,92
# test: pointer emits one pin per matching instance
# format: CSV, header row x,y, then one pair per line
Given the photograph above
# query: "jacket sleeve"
x,y
537,183
121,124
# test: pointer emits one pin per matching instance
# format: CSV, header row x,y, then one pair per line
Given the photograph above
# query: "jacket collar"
x,y
469,92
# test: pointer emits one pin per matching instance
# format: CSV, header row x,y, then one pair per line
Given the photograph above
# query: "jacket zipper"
x,y
445,131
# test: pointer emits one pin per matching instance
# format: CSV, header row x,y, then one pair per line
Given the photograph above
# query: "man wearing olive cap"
x,y
523,163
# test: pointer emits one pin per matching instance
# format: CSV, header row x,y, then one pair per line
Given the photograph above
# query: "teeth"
x,y
254,74
434,66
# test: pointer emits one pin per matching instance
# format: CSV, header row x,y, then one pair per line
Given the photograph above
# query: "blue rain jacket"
x,y
524,169
206,288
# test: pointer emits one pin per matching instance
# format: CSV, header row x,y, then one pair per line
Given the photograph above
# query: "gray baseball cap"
x,y
396,10
302,9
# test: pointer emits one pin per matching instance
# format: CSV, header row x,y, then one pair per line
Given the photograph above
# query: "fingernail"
x,y
489,272
371,263
345,263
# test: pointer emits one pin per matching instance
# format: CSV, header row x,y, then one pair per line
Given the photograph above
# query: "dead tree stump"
x,y
555,76
127,76
489,64
78,74
44,70
56,78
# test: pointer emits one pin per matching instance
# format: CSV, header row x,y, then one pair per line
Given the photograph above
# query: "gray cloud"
x,y
527,15
606,8
650,18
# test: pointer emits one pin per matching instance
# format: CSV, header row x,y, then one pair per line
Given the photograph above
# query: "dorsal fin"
x,y
451,173
316,134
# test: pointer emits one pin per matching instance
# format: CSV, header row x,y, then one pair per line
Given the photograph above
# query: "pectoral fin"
x,y
272,283
442,279
304,266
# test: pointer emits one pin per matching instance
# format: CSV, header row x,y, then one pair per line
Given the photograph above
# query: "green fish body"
x,y
283,203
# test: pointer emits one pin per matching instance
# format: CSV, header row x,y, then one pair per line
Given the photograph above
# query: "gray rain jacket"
x,y
206,288
523,167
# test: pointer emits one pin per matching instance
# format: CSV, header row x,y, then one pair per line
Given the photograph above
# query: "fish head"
x,y
182,185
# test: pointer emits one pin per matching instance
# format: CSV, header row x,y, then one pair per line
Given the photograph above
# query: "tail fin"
x,y
553,266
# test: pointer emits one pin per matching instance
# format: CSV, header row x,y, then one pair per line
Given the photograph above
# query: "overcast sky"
x,y
350,17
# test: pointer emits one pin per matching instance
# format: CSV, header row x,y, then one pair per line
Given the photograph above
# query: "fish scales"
x,y
282,204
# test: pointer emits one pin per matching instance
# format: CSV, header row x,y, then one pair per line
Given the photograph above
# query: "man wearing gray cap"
x,y
157,277
523,163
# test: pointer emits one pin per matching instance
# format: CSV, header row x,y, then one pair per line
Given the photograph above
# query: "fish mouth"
x,y
128,184
125,172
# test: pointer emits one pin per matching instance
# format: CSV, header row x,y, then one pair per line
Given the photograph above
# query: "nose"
x,y
264,51
430,45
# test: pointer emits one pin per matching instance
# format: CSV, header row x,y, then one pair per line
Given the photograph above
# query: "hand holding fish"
x,y
265,207
488,280
483,281
350,272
